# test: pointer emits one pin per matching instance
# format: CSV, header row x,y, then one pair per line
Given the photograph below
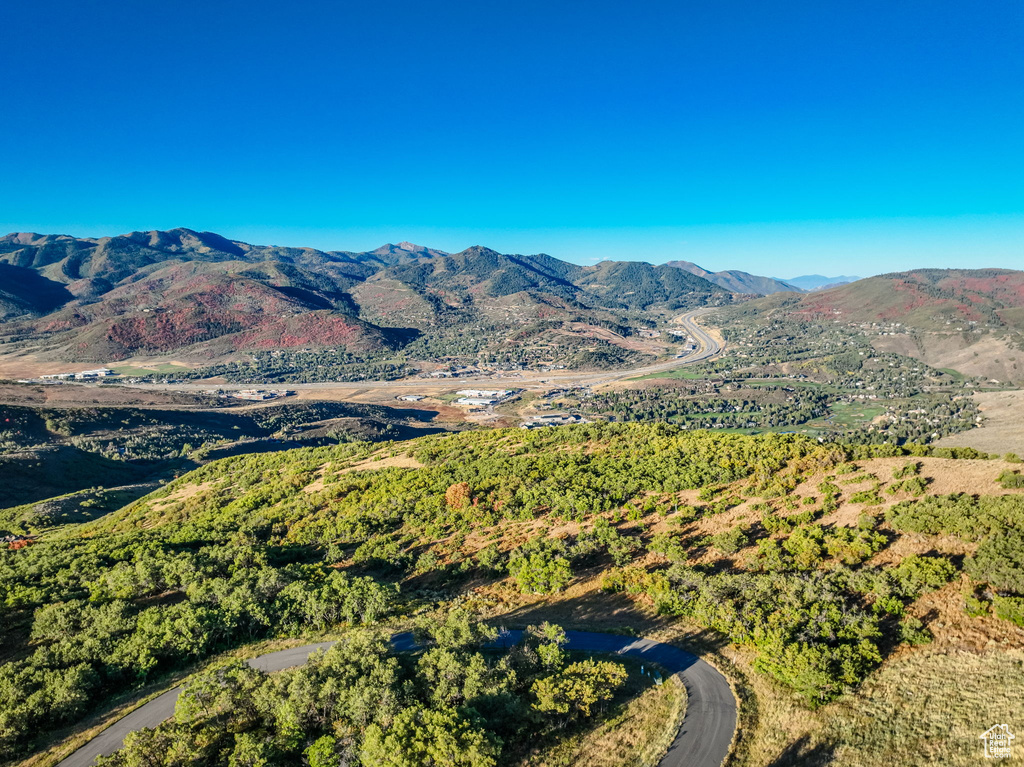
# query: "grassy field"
x,y
164,369
928,709
843,416
849,415
791,384
677,373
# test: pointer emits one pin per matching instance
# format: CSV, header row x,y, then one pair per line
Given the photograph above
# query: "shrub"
x,y
915,486
540,567
732,540
974,605
807,632
631,579
919,574
1010,609
911,469
999,561
913,631
669,546
962,515
870,497
1011,479
851,547
490,558
773,523
805,545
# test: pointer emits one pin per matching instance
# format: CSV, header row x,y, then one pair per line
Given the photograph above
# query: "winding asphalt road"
x,y
703,739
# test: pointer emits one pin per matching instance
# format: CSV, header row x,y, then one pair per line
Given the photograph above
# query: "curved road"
x,y
703,739
708,347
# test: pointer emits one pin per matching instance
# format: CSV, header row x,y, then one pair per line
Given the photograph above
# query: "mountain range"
x,y
738,282
203,295
752,284
812,282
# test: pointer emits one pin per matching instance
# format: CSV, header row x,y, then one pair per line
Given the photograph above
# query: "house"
x,y
998,739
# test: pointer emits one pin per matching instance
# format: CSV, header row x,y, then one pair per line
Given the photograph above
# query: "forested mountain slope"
x,y
202,295
812,566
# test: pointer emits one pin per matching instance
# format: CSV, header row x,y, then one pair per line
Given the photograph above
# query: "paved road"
x,y
703,739
708,347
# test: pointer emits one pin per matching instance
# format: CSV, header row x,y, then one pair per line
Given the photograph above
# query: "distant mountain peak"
x,y
812,282
692,268
736,281
33,238
405,249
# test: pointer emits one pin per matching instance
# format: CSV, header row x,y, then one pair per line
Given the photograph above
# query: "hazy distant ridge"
x,y
810,282
738,282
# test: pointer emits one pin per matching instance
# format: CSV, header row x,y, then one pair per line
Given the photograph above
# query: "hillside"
x,y
927,299
204,297
50,451
810,574
968,320
739,282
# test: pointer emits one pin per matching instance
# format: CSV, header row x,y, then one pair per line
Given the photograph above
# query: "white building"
x,y
97,373
555,419
496,393
476,401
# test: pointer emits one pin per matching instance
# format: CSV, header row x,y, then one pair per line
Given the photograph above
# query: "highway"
x,y
703,740
708,348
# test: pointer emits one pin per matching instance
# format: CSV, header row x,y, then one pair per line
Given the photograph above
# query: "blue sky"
x,y
779,138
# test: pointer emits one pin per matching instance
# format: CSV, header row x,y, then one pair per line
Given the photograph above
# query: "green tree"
x,y
250,751
575,689
424,737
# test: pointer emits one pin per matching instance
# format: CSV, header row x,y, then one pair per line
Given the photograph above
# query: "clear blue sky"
x,y
777,137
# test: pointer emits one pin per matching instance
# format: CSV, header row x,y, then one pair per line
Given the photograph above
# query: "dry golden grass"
x,y
390,462
1003,428
928,709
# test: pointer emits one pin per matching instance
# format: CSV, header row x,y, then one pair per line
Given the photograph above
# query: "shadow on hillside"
x,y
594,609
803,754
610,613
